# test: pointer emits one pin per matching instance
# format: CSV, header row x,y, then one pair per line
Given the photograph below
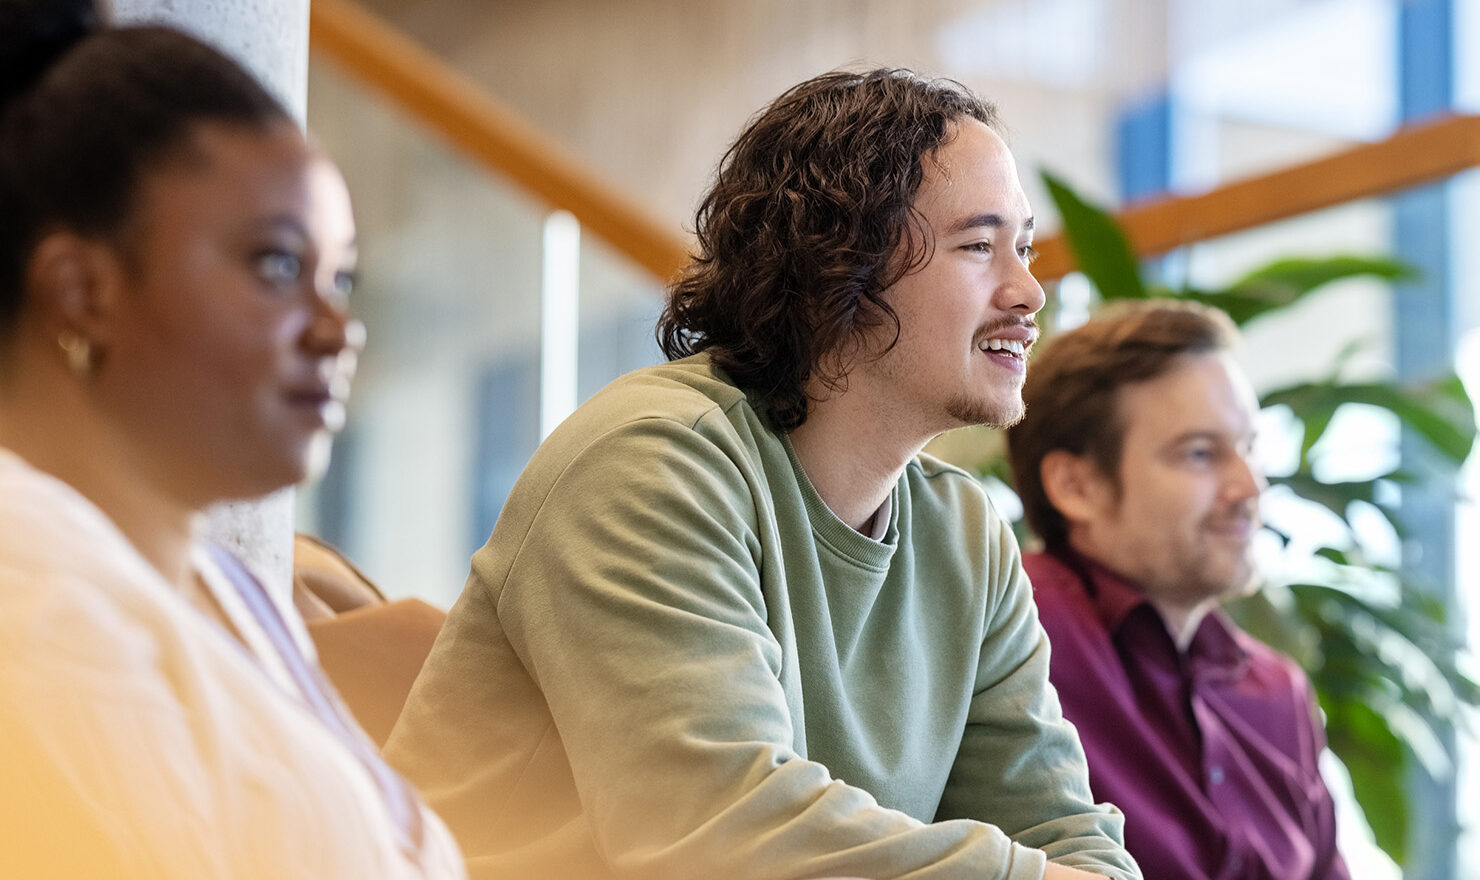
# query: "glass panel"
x,y
446,408
446,405
1259,92
620,303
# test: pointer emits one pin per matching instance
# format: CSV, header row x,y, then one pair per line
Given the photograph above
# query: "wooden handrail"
x,y
1411,156
491,133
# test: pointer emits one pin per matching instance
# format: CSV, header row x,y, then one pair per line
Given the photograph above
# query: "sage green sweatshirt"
x,y
671,660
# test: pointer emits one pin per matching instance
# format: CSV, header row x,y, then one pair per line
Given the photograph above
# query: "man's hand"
x,y
1064,872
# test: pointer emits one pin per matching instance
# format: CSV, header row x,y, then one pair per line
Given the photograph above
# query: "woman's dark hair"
x,y
87,110
809,220
1071,395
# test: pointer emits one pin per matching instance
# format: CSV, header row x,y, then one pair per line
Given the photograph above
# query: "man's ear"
x,y
76,284
1075,486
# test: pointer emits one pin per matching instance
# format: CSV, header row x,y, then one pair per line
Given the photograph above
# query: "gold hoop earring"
x,y
78,352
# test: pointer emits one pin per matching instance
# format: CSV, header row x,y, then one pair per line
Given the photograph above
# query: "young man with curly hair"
x,y
732,623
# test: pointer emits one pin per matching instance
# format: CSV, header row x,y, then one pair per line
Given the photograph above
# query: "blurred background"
x,y
492,315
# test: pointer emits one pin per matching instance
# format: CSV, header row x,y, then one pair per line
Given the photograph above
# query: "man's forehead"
x,y
1202,393
971,183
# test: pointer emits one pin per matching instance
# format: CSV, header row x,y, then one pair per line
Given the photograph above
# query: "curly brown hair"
x,y
810,219
1073,387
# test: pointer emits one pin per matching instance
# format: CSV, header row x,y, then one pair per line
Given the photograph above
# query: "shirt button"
x,y
1215,774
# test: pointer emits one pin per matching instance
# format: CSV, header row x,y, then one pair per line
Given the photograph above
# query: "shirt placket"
x,y
1217,766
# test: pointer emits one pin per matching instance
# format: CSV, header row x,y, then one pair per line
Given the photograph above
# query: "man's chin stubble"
x,y
971,412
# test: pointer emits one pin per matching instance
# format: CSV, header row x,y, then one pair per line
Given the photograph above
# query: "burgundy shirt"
x,y
1211,754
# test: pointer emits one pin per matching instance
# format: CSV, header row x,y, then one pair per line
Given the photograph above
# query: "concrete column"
x,y
270,38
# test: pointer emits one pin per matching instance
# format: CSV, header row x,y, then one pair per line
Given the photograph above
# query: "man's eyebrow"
x,y
989,221
1194,435
1215,435
280,223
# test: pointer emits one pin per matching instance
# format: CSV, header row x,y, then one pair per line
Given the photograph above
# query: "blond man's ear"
x,y
1075,487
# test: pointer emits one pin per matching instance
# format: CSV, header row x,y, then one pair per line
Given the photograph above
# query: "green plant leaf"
x,y
1335,497
1099,245
1344,357
1309,273
1267,614
1287,281
1360,737
1241,305
1333,554
1339,496
1403,649
1439,411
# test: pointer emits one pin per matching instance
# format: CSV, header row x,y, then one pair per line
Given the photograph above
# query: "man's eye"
x,y
1200,454
278,267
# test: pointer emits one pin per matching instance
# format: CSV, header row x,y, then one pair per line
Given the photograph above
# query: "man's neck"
x,y
1182,622
1181,619
852,457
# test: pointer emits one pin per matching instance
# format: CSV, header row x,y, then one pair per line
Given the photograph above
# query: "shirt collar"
x,y
1117,600
1215,645
880,519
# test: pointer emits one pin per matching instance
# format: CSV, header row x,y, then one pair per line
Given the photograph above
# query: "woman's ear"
x,y
1075,487
75,284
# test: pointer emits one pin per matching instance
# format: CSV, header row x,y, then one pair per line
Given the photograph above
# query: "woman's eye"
x,y
1027,253
344,283
278,267
980,247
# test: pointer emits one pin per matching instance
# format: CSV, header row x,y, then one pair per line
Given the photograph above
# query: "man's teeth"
x,y
1009,345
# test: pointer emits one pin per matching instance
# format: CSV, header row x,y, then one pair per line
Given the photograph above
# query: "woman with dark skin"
x,y
174,266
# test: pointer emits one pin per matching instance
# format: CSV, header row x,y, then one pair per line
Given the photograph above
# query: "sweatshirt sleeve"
x,y
1021,762
633,599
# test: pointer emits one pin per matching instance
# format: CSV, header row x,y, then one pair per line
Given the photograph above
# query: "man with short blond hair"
x,y
1134,467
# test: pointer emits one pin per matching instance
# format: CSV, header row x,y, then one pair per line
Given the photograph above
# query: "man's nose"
x,y
1020,292
1246,478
